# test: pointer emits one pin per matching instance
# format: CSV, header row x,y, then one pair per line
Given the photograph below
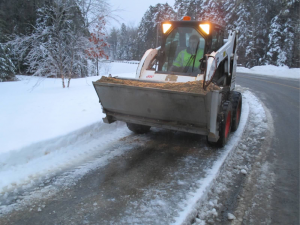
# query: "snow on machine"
x,y
187,84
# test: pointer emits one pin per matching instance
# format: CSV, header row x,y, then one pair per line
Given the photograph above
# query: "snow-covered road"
x,y
61,141
172,196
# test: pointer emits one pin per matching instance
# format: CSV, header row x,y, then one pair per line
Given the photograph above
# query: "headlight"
x,y
205,28
166,27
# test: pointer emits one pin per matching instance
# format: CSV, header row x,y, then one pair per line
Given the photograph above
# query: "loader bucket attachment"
x,y
188,112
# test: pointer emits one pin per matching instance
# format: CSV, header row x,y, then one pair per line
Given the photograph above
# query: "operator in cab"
x,y
187,60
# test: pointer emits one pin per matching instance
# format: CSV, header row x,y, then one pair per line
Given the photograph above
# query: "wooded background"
x,y
67,38
268,30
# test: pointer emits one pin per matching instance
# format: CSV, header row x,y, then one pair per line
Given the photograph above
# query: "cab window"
x,y
217,40
184,48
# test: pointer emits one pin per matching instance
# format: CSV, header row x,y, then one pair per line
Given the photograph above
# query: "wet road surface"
x,y
281,97
145,185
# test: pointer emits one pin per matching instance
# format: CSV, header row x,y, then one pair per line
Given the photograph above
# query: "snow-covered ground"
x,y
39,125
43,131
205,206
270,70
29,115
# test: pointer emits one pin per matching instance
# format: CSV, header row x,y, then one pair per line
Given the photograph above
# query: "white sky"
x,y
132,11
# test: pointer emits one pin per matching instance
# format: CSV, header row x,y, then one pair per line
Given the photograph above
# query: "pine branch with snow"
x,y
56,48
7,68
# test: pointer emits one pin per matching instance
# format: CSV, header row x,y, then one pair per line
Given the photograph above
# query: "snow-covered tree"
x,y
212,11
283,47
113,39
190,8
124,43
296,49
268,30
132,40
7,68
57,45
230,13
92,10
150,25
122,52
97,43
245,25
275,54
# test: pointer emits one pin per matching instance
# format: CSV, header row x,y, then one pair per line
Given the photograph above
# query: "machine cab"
x,y
184,44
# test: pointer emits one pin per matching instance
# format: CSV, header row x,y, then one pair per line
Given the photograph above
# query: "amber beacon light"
x,y
186,18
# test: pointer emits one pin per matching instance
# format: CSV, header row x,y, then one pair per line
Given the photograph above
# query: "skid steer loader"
x,y
190,51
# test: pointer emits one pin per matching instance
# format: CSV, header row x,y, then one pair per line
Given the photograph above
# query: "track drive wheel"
x,y
137,128
236,101
225,124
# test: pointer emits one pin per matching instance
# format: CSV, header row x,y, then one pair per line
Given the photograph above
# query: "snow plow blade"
x,y
174,110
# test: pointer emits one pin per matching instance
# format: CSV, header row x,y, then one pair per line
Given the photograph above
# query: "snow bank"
x,y
42,160
191,205
270,70
29,115
42,128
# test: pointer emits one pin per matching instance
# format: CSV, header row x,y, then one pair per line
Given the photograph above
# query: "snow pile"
x,y
46,175
42,128
190,210
30,115
57,128
46,158
270,70
203,205
238,163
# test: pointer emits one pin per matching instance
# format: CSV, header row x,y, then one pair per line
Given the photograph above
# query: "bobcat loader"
x,y
211,60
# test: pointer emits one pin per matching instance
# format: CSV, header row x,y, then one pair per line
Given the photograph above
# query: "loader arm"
x,y
228,53
144,64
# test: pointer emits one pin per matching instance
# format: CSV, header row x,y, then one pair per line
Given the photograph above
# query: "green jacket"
x,y
183,58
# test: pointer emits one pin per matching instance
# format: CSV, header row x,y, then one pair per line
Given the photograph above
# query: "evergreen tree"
x,y
57,45
212,11
283,47
122,52
132,40
295,8
190,8
268,30
245,25
230,13
7,68
113,42
181,6
123,43
150,26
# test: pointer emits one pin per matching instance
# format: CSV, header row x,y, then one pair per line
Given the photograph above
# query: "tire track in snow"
x,y
205,206
192,204
158,204
27,169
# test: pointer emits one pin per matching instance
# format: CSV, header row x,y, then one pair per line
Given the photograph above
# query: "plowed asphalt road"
x,y
156,159
281,97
